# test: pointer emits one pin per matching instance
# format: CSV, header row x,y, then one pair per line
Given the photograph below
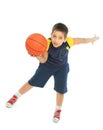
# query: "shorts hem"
x,y
35,85
60,91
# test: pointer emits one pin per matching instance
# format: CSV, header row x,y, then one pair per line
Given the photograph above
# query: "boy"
x,y
54,62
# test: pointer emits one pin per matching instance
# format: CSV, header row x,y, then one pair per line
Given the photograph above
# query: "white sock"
x,y
18,94
58,107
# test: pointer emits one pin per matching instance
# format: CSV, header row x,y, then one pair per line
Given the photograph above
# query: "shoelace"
x,y
57,114
13,99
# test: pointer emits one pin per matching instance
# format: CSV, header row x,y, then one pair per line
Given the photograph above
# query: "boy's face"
x,y
57,38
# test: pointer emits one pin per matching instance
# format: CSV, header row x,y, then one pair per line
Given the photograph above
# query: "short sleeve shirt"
x,y
58,56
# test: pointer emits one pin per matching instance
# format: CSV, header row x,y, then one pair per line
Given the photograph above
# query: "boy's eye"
x,y
54,36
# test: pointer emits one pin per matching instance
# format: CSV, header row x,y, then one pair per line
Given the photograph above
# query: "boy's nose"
x,y
56,40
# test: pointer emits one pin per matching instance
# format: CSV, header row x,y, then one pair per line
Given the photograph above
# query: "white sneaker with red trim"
x,y
56,116
11,102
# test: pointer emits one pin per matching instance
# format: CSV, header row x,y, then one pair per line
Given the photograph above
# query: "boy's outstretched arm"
x,y
85,40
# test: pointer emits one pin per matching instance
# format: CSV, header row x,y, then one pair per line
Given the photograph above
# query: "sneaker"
x,y
11,102
56,117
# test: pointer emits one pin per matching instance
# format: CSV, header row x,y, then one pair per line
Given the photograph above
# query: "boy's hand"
x,y
95,38
32,55
35,55
43,57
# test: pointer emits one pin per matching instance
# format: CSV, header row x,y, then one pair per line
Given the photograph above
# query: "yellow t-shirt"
x,y
70,41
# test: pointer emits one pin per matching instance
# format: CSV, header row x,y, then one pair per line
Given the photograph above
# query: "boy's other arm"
x,y
85,40
43,58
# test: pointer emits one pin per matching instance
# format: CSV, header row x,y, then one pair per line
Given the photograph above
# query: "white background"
x,y
83,105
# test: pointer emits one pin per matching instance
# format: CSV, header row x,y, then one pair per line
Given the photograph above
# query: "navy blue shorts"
x,y
43,73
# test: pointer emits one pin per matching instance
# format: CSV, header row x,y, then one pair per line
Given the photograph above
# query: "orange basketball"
x,y
36,44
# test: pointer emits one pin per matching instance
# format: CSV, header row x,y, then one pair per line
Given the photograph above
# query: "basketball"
x,y
36,44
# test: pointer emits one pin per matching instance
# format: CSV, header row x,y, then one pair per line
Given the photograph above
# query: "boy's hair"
x,y
60,27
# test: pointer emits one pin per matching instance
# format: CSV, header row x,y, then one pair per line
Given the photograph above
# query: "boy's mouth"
x,y
55,44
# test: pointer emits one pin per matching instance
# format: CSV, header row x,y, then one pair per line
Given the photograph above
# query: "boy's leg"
x,y
59,99
38,79
26,87
60,78
59,102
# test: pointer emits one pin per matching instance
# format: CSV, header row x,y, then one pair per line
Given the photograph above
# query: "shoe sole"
x,y
8,105
55,120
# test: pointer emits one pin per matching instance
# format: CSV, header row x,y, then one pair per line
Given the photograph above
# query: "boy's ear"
x,y
65,39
